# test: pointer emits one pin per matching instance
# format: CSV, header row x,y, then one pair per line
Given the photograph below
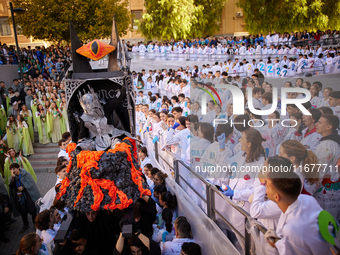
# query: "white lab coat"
x,y
328,152
336,110
291,135
242,182
144,162
197,149
298,229
268,213
310,141
181,139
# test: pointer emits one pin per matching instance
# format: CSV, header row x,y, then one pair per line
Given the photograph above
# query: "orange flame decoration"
x,y
86,160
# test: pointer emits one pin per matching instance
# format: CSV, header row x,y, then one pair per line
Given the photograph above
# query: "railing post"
x,y
247,238
210,195
176,170
156,152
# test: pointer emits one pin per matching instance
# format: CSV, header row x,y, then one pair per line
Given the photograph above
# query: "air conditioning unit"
x,y
239,14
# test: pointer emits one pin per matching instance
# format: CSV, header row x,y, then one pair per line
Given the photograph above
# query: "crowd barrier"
x,y
168,56
209,199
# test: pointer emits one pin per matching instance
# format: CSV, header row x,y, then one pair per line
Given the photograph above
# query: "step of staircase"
x,y
44,161
44,168
39,145
44,155
39,150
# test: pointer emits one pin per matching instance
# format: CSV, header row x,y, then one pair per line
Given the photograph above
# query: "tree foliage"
x,y
262,16
166,19
92,19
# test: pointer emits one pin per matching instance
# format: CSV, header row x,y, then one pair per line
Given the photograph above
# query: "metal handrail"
x,y
210,199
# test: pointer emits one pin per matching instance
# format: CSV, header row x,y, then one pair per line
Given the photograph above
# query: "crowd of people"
x,y
288,204
33,105
217,44
208,142
157,228
49,62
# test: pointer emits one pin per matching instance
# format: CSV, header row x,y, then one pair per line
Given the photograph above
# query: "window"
x,y
5,28
136,15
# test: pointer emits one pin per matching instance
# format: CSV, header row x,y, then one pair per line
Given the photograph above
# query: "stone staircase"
x,y
45,156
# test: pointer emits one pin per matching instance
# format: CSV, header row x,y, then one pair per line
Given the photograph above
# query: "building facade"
x,y
7,32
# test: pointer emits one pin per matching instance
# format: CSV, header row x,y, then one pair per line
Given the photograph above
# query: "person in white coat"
x,y
324,101
265,211
143,157
328,153
198,147
297,230
334,102
181,138
245,167
304,162
310,138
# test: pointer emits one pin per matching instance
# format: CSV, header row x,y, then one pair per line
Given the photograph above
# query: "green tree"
x,y
212,14
166,19
92,19
290,15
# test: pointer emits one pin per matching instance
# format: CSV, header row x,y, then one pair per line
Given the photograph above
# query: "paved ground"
x,y
45,182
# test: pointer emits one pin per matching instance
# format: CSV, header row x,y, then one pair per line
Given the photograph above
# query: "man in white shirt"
x,y
182,232
297,231
204,69
215,68
62,145
142,47
268,39
334,102
275,38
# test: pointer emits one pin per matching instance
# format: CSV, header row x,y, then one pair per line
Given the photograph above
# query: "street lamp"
x,y
19,11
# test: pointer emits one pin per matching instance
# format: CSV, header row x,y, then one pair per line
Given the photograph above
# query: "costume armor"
x,y
101,134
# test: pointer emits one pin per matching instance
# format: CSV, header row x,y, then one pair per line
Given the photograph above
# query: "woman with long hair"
x,y
302,159
54,123
242,182
63,110
40,117
143,157
34,104
12,132
31,244
140,82
27,114
177,137
25,140
43,99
